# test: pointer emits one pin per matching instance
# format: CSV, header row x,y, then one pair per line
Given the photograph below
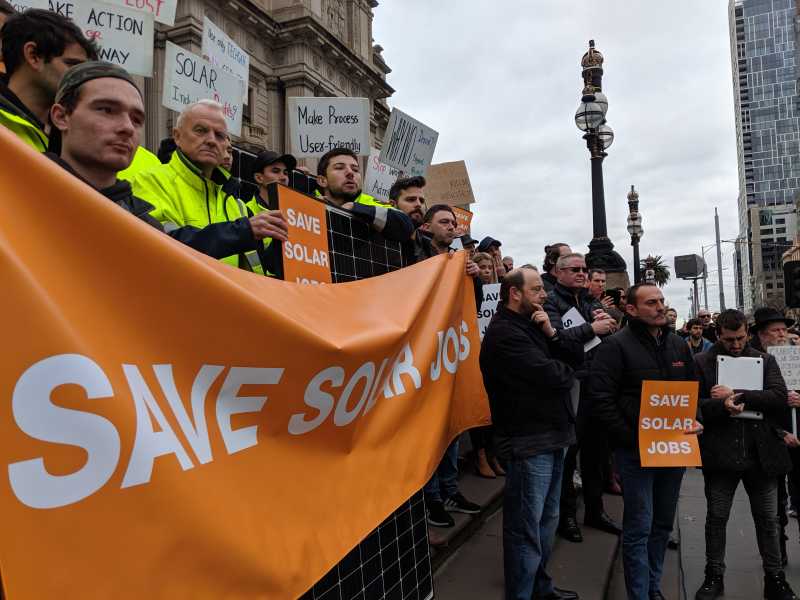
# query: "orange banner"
x,y
668,409
306,258
177,428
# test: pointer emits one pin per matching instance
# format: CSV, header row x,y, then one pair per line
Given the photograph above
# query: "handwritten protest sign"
x,y
491,297
21,5
221,51
788,358
668,409
378,178
162,11
305,256
125,36
448,183
317,125
463,217
408,144
188,78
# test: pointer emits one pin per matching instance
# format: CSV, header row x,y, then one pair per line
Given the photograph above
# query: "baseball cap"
x,y
76,76
268,157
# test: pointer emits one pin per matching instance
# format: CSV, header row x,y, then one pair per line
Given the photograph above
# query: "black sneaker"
x,y
457,503
713,587
437,515
776,587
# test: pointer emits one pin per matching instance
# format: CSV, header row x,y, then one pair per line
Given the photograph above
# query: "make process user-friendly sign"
x,y
188,78
317,125
124,35
408,144
668,409
221,51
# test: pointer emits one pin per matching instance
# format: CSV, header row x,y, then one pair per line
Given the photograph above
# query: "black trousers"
x,y
594,453
762,491
790,495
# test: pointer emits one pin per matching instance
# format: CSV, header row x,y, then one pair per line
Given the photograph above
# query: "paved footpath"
x,y
744,576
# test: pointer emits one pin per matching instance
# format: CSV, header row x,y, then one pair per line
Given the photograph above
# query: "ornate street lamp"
x,y
590,118
636,231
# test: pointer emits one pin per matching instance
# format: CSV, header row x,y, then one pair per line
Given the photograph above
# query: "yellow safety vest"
x,y
24,130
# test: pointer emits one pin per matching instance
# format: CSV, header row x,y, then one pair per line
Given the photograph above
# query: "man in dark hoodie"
x,y
99,112
38,48
742,442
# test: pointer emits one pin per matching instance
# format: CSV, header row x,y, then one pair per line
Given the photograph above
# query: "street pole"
x,y
719,262
696,298
705,287
637,276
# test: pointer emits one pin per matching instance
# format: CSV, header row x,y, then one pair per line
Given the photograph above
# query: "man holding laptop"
x,y
742,442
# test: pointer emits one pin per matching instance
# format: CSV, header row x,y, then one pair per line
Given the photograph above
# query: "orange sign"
x,y
668,409
306,258
174,427
463,218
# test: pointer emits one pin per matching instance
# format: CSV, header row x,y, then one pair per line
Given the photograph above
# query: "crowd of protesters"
x,y
563,359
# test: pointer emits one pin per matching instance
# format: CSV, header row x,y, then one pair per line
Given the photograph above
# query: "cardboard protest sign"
x,y
378,177
22,5
491,298
408,144
306,258
667,410
124,35
188,78
317,125
448,183
162,11
221,51
180,466
463,217
788,358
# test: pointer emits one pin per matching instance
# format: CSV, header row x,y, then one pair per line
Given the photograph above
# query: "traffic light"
x,y
791,282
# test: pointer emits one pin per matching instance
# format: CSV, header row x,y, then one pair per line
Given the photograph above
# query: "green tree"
x,y
661,270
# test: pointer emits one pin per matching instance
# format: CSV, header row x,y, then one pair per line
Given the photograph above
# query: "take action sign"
x,y
306,258
188,78
667,410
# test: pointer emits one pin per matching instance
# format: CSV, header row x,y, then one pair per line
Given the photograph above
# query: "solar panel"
x,y
393,562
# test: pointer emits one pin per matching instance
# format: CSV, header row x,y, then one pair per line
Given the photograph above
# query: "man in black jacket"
x,y
571,295
644,350
743,441
529,396
99,113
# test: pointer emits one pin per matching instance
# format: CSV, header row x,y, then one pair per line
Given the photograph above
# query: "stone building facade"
x,y
296,48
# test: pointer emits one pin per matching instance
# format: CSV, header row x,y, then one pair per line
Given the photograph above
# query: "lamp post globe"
x,y
589,116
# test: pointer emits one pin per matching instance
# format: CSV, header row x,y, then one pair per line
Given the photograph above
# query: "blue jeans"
x,y
444,481
530,518
650,496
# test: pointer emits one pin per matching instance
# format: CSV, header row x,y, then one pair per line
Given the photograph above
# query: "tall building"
x,y
771,230
767,107
296,48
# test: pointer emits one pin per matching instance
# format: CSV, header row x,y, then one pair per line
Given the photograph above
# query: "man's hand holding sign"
x,y
667,424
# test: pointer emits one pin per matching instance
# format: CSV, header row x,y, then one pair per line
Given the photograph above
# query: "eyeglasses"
x,y
577,269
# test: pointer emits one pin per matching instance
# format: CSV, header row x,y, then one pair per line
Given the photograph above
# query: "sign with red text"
x,y
221,51
306,258
667,410
189,78
163,11
378,177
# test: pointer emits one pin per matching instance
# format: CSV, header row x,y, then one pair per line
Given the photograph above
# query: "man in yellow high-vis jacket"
x,y
38,48
188,191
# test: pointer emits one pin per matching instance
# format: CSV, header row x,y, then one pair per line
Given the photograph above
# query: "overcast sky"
x,y
501,87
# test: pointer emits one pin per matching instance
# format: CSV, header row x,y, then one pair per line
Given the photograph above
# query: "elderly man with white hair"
x,y
187,190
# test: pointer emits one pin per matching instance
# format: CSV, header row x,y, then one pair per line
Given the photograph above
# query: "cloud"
x,y
501,87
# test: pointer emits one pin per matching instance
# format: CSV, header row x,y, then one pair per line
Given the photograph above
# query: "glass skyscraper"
x,y
767,134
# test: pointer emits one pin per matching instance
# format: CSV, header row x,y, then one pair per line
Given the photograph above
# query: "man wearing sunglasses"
x,y
580,317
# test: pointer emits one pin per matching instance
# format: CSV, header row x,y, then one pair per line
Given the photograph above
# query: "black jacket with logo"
x,y
525,376
620,365
740,444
